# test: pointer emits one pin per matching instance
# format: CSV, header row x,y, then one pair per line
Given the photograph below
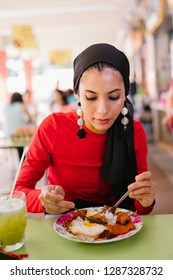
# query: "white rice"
x,y
111,219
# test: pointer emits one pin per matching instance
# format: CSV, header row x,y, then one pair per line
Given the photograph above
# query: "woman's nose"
x,y
102,107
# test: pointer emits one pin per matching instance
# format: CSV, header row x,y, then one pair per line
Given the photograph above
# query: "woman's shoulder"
x,y
58,126
137,124
63,116
138,128
60,118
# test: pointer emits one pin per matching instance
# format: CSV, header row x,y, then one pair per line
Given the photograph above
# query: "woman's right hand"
x,y
52,199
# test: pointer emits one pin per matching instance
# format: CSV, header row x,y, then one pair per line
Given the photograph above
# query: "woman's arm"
x,y
36,162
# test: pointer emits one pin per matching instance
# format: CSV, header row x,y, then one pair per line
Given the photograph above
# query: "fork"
x,y
113,208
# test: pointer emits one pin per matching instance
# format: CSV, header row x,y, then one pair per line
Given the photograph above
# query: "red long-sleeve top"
x,y
71,162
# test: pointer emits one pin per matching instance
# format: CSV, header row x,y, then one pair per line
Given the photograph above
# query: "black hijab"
x,y
119,166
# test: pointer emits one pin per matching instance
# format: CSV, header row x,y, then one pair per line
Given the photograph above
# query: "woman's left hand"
x,y
143,189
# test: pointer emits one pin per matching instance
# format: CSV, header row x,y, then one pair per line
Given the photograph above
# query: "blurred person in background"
x,y
59,102
14,116
30,107
71,98
133,90
167,121
95,154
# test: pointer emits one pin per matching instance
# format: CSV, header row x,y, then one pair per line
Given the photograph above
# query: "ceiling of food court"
x,y
67,24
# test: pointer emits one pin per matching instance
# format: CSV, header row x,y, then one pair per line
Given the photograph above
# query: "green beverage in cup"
x,y
12,220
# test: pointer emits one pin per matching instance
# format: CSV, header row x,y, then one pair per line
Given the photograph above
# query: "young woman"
x,y
95,155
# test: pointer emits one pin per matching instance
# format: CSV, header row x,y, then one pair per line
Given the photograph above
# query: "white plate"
x,y
59,229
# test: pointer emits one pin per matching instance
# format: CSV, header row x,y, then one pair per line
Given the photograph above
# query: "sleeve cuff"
x,y
141,210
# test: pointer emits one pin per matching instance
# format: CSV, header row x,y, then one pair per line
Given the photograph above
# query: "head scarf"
x,y
101,53
119,166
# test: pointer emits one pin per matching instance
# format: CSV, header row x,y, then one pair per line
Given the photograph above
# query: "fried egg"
x,y
86,229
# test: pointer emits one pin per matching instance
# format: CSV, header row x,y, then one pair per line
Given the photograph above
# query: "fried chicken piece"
x,y
118,229
98,217
66,224
122,218
105,207
79,213
105,235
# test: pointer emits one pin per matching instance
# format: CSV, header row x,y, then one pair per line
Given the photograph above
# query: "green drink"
x,y
12,220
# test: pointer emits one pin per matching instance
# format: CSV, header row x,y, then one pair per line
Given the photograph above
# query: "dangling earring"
x,y
81,132
124,120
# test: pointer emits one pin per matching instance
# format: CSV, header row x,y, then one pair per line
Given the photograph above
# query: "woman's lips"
x,y
102,121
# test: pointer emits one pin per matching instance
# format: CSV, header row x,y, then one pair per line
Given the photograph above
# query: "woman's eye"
x,y
90,98
114,97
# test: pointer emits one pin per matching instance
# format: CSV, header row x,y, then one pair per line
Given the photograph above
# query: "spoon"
x,y
91,220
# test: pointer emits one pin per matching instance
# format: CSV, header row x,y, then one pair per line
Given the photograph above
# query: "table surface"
x,y
153,242
7,143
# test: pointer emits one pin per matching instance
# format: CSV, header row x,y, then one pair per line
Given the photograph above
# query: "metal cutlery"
x,y
91,220
111,209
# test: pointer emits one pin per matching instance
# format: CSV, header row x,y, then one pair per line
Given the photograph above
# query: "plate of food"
x,y
120,225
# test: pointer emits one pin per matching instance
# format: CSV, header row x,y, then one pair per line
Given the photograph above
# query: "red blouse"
x,y
72,163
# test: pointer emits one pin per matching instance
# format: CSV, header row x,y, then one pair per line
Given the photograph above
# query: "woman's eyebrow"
x,y
112,91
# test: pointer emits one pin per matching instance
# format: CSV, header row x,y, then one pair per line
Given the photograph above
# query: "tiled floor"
x,y
160,161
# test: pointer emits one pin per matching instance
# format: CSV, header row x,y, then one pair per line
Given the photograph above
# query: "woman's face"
x,y
102,96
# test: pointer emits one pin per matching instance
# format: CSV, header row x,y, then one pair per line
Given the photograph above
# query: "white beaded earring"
x,y
124,120
81,132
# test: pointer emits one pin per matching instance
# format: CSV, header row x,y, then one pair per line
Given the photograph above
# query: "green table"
x,y
153,242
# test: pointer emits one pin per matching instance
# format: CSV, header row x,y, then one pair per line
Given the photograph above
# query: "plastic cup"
x,y
13,219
